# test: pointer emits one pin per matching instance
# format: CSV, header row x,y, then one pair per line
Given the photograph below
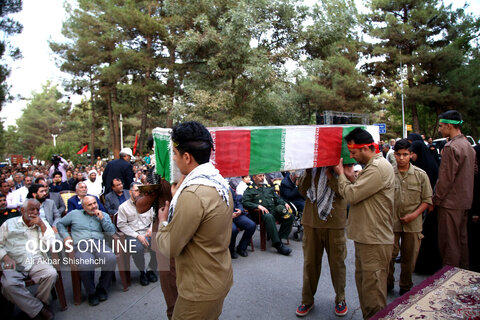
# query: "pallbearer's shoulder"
x,y
379,161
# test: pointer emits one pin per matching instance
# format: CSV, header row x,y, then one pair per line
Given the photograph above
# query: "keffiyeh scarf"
x,y
322,193
207,175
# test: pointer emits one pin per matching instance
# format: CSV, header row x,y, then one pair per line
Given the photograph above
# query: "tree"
x,y
242,75
331,80
420,40
44,115
90,57
11,141
8,27
220,60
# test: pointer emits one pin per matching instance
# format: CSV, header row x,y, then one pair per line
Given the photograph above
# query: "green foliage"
x,y
11,141
44,115
433,43
224,62
331,80
8,27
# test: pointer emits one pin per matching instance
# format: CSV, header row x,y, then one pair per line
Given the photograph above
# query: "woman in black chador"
x,y
428,260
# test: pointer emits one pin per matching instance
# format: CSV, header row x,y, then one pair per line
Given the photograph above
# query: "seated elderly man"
x,y
18,263
75,202
138,229
116,197
263,197
87,230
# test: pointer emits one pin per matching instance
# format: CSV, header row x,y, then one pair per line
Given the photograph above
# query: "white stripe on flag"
x,y
299,147
375,132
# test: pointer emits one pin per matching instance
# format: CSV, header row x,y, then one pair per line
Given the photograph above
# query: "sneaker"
x,y
304,309
341,308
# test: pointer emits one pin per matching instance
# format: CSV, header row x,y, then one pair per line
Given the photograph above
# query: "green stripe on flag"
x,y
163,160
345,153
267,147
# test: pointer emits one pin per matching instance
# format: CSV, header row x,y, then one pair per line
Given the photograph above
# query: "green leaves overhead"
x,y
247,62
430,41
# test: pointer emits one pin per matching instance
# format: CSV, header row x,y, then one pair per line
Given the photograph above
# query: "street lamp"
x,y
54,139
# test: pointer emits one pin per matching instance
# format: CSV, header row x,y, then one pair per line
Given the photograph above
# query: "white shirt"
x,y
241,187
21,195
130,222
14,235
94,188
13,201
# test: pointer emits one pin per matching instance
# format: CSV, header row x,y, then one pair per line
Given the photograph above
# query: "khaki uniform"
x,y
320,235
454,196
412,188
370,225
198,237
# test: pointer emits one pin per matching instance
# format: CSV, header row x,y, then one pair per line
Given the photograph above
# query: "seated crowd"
x,y
88,214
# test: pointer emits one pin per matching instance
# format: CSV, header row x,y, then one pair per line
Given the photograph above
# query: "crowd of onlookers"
x,y
67,202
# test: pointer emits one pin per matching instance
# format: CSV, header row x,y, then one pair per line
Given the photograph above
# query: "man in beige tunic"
x,y
196,227
454,191
370,221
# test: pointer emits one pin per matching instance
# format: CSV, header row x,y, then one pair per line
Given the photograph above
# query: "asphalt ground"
x,y
266,286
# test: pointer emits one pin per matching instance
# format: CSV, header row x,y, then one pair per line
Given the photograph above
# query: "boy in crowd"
x,y
413,195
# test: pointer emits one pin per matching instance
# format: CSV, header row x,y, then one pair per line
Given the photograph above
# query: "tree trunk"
x,y
171,85
94,124
116,128
143,123
143,127
114,123
413,105
110,119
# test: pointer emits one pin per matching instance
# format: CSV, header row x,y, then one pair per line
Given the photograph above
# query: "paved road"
x,y
266,286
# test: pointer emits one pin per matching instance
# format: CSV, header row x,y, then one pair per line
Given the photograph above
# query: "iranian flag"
x,y
241,151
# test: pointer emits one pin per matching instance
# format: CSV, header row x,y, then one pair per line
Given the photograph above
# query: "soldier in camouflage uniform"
x,y
263,197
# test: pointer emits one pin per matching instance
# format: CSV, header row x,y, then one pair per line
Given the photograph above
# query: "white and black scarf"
x,y
205,174
322,193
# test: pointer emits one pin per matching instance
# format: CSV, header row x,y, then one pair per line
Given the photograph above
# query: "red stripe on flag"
x,y
232,152
328,146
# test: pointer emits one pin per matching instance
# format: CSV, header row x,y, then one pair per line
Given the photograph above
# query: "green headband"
x,y
451,121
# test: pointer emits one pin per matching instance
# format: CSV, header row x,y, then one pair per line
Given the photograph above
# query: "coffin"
x,y
241,151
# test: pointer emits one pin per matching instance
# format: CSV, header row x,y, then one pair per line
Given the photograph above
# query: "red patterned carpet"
x,y
451,293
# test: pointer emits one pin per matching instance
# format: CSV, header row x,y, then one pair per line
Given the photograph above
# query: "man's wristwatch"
x,y
163,223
